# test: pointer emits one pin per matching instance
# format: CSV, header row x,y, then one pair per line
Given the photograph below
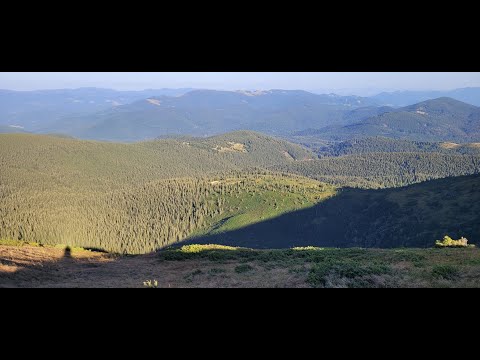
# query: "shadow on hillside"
x,y
29,271
353,218
363,218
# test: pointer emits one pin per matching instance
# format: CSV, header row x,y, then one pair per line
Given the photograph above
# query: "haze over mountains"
x,y
442,119
128,116
34,110
470,95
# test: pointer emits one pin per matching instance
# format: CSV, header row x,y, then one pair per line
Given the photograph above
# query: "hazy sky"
x,y
366,82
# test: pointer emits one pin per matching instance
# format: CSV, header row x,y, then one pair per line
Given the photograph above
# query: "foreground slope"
x,y
212,266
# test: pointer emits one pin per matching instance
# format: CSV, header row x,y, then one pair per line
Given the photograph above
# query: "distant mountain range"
x,y
36,109
442,119
104,114
469,95
209,112
11,129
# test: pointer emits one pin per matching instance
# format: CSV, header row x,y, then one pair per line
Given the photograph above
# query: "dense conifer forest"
x,y
380,170
141,197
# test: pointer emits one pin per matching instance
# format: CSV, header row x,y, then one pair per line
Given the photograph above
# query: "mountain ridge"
x,y
441,119
210,112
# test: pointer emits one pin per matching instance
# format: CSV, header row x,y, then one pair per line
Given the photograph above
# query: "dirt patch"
x,y
232,147
154,102
402,265
449,145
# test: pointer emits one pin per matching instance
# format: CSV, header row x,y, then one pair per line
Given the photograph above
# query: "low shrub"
x,y
320,272
151,284
196,248
447,272
216,271
243,268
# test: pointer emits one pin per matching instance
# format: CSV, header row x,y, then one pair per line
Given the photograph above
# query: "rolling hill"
x,y
442,119
68,162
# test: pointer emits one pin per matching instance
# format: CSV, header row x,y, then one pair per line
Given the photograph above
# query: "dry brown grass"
x,y
34,267
48,267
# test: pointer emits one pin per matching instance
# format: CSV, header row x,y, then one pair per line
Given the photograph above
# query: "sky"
x,y
363,83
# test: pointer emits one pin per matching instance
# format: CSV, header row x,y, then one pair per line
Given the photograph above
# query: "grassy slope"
x,y
268,197
213,267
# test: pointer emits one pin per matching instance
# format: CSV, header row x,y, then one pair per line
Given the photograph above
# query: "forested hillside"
x,y
139,219
136,198
388,145
379,170
413,216
29,160
112,196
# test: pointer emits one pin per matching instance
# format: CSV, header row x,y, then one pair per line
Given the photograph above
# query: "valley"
x,y
140,198
247,188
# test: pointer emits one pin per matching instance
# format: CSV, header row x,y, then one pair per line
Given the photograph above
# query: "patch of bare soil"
x,y
449,145
35,267
232,147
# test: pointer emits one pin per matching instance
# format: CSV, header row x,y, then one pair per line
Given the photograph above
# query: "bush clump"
x,y
447,272
243,268
348,271
449,242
